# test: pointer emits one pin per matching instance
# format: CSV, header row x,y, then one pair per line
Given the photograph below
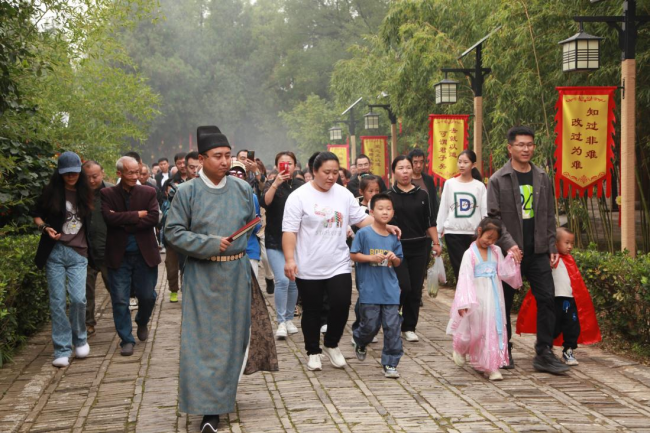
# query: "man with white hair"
x,y
131,212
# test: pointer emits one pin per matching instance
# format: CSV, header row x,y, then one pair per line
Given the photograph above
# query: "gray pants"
x,y
374,316
91,282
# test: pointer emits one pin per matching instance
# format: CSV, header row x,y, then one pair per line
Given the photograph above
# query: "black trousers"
x,y
410,274
339,292
536,268
567,322
456,247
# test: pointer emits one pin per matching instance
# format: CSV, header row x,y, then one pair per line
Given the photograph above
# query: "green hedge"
x,y
620,288
24,302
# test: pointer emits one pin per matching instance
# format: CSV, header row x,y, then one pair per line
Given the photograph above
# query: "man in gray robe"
x,y
217,283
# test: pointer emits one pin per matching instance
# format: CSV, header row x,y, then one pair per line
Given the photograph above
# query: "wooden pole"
x,y
353,149
393,146
478,132
628,181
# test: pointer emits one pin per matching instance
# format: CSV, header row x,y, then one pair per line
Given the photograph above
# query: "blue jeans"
x,y
374,316
133,272
286,291
66,267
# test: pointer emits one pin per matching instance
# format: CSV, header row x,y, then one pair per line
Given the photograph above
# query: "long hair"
x,y
53,197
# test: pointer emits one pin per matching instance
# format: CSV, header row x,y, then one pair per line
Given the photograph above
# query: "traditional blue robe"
x,y
216,295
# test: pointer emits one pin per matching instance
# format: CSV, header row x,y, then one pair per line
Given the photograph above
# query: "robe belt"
x,y
225,258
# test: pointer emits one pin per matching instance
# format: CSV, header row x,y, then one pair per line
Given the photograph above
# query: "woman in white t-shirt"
x,y
316,218
463,205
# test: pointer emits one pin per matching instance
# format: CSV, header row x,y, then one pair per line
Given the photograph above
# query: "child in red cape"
x,y
575,317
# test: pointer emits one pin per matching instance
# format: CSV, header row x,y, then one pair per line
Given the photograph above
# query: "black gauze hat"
x,y
209,137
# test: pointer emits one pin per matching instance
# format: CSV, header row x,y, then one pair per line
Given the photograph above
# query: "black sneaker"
x,y
209,423
270,286
360,352
548,363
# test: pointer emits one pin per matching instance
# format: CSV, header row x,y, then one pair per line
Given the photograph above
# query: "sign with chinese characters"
x,y
448,137
377,150
585,140
342,152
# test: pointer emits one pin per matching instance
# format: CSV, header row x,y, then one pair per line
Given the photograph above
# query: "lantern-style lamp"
x,y
335,133
446,91
371,120
581,52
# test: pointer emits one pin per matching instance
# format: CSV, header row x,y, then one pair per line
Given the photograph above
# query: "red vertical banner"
x,y
448,136
584,140
376,148
342,152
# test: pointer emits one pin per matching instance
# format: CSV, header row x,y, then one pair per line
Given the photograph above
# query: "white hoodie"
x,y
462,207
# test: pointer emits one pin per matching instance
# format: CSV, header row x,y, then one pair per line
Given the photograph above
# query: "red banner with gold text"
x,y
377,150
584,140
448,136
342,151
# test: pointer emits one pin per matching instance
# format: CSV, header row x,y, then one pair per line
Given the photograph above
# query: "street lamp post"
x,y
627,26
477,78
393,127
352,127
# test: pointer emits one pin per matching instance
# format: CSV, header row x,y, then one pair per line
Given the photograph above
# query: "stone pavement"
x,y
110,393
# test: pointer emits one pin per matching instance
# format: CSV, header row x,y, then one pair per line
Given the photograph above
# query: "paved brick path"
x,y
110,393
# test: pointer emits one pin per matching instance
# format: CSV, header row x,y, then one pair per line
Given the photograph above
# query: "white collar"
x,y
211,184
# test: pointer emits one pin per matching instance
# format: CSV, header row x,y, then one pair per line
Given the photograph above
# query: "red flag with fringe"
x,y
448,136
584,140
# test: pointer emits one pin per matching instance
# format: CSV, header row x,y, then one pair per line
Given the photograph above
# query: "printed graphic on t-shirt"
x,y
527,211
72,223
465,204
380,251
331,218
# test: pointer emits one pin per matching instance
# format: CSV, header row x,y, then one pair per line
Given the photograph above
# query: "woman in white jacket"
x,y
463,205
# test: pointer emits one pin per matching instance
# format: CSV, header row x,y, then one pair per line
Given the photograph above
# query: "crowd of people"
x,y
317,226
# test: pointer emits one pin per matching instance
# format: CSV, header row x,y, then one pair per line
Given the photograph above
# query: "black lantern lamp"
x,y
371,120
335,133
446,91
581,52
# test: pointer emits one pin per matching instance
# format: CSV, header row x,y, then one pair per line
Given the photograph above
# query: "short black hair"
x,y
377,197
323,157
562,230
192,155
398,159
162,159
519,130
240,151
362,156
416,152
155,164
365,181
178,156
90,163
134,155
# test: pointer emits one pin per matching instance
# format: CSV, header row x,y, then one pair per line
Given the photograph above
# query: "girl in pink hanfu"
x,y
478,321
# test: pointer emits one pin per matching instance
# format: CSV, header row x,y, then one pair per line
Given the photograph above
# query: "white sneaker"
x,y
495,375
314,363
291,328
458,358
281,333
133,304
323,329
335,356
61,362
411,336
82,351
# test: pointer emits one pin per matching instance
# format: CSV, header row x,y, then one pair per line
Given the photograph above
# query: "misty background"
x,y
239,64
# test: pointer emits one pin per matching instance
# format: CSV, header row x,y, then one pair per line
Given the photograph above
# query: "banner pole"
x,y
628,103
478,132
